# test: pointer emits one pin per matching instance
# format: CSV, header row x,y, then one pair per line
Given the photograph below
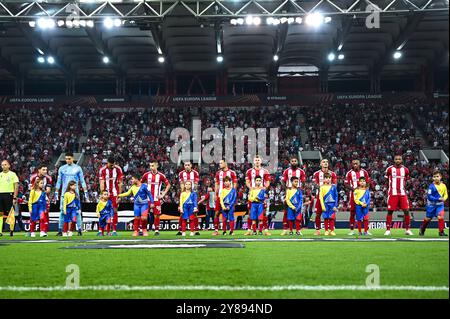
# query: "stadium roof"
x,y
191,34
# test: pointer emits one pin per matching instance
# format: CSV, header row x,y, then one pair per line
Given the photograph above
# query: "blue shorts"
x,y
228,214
37,210
141,210
257,211
292,214
434,211
188,211
329,212
104,220
71,215
361,213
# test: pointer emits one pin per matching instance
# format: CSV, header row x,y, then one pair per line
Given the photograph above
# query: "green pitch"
x,y
266,263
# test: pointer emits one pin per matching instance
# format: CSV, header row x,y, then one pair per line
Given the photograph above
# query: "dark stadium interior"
x,y
188,43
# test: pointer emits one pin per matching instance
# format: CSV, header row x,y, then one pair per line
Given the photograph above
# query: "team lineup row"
x,y
220,201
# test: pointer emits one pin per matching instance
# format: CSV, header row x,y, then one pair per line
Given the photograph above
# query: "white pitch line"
x,y
227,288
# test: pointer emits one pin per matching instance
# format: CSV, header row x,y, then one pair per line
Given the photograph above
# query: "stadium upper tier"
x,y
374,133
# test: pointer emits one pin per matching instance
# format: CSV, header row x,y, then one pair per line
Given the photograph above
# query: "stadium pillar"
x,y
70,87
19,86
221,83
427,77
171,84
120,86
375,80
272,85
323,77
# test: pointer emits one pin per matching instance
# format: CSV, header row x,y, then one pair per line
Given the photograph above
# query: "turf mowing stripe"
x,y
227,288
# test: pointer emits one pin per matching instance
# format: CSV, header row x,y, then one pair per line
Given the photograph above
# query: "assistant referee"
x,y
9,189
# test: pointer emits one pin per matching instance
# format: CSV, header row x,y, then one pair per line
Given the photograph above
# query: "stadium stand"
x,y
135,137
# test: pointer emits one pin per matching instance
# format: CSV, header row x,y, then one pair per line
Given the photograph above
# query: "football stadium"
x,y
224,149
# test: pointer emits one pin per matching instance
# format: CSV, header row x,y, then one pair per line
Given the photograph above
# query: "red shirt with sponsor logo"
x,y
318,177
397,179
289,173
191,176
155,182
253,172
220,177
352,177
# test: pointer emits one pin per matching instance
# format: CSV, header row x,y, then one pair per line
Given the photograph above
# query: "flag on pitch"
x,y
11,219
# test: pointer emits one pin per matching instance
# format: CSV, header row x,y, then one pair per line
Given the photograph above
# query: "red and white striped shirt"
x,y
397,179
352,177
191,176
48,181
253,172
112,177
220,177
155,182
318,177
289,173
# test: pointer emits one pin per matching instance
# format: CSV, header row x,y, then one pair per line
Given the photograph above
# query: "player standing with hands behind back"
x,y
397,175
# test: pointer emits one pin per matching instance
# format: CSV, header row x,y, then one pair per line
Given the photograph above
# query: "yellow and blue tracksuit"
x,y
434,206
105,210
188,203
328,199
361,196
141,196
37,205
228,199
257,198
294,201
71,207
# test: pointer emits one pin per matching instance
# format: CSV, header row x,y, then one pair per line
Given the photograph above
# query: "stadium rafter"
x,y
158,9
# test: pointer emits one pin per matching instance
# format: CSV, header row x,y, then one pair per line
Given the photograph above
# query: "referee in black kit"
x,y
9,189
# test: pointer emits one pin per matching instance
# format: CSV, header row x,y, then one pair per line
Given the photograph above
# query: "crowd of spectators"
x,y
31,136
433,121
371,133
374,134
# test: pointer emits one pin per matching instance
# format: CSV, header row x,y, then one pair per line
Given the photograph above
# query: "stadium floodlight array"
x,y
110,23
313,19
397,55
42,59
229,9
332,56
49,23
